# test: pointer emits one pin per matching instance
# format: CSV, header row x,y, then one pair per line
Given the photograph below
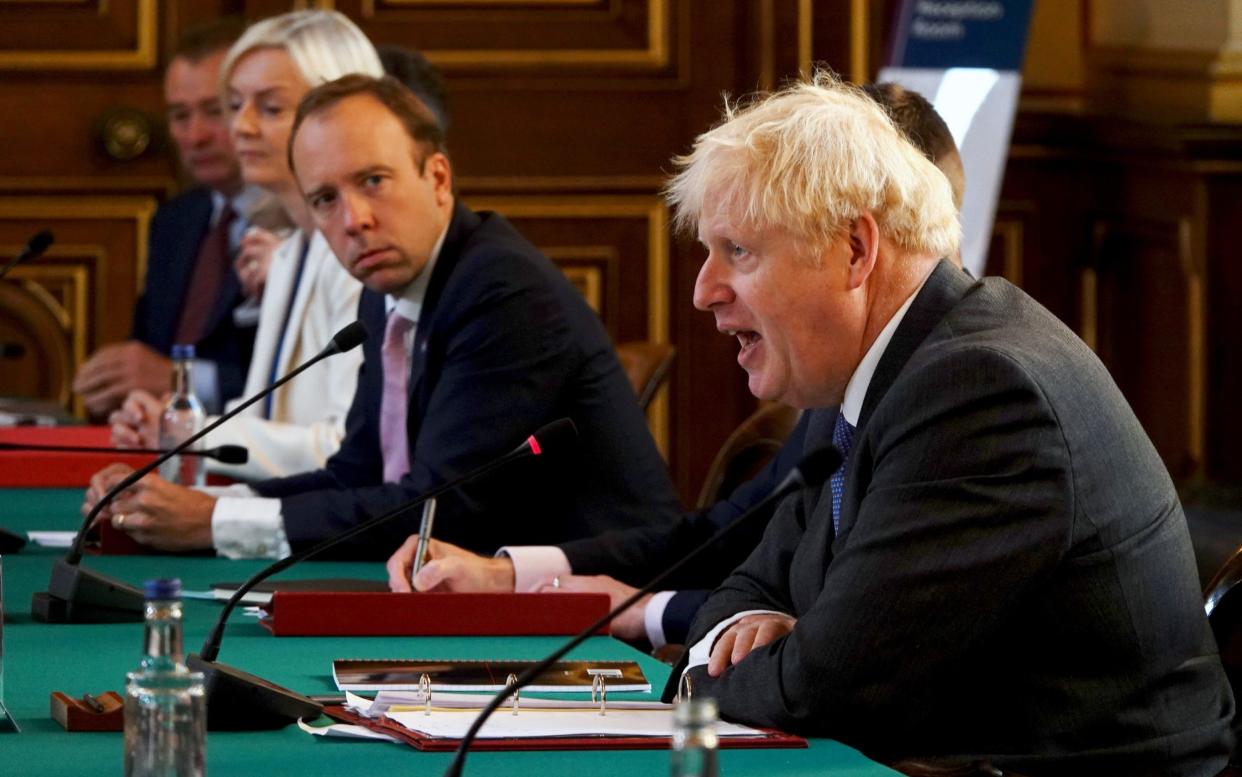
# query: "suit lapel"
x,y
944,288
463,224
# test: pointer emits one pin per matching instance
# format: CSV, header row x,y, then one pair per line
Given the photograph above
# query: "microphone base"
x,y
77,595
240,701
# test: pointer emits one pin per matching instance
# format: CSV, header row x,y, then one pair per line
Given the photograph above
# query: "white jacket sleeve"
x,y
308,413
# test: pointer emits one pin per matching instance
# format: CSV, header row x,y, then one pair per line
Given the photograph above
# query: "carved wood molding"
x,y
142,56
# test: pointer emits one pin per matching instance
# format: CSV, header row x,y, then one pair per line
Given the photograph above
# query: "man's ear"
x,y
863,238
441,172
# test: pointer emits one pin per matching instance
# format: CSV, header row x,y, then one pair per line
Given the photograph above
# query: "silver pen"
x,y
424,536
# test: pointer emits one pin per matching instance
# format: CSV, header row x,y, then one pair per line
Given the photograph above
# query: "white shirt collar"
x,y
409,303
860,381
243,202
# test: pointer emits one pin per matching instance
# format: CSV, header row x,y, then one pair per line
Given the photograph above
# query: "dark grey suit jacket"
x,y
1013,579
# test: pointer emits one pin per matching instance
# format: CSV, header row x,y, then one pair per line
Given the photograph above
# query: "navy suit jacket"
x,y
177,231
1012,580
637,554
504,345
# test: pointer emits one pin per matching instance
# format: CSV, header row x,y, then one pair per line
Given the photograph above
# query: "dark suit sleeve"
x,y
636,555
500,354
679,613
969,501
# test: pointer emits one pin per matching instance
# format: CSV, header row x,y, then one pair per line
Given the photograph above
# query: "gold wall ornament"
x,y
125,133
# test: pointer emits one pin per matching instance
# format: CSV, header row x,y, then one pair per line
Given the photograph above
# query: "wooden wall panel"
x,y
565,116
1142,312
78,34
79,295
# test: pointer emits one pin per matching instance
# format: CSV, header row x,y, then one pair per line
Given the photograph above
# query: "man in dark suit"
x,y
476,340
616,561
191,291
1000,570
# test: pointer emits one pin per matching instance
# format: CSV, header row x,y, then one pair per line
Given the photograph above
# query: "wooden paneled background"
x,y
565,114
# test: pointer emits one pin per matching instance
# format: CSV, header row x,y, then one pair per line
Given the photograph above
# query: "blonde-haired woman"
x,y
307,296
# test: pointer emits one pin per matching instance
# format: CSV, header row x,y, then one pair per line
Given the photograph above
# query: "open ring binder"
x,y
684,691
511,681
424,687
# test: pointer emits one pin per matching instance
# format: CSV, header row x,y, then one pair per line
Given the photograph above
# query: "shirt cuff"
x,y
239,490
535,565
653,617
248,528
702,650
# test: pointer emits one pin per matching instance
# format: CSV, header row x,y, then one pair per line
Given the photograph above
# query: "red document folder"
x,y
308,614
49,469
771,739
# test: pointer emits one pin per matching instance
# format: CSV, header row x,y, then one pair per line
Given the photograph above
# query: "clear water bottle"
x,y
165,704
694,739
183,416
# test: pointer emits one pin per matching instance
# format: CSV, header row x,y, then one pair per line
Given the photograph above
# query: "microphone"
x,y
33,248
240,701
814,469
225,454
77,595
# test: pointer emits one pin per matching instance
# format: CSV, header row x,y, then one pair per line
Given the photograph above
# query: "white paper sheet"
x,y
52,539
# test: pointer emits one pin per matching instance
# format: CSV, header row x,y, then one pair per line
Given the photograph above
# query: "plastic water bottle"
x,y
694,739
183,417
165,704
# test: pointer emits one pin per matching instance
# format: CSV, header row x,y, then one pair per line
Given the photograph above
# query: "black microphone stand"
x,y
226,454
814,468
32,250
78,595
240,701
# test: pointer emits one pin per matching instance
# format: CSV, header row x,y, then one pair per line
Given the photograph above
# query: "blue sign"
x,y
942,34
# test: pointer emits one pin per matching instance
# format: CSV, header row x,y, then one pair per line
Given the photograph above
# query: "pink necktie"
x,y
396,355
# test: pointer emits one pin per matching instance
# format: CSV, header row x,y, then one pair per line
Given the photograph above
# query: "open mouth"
x,y
747,339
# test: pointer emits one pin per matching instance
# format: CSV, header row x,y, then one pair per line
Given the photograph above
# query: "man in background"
x,y
191,293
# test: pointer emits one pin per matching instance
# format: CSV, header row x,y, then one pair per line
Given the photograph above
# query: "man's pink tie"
x,y
395,400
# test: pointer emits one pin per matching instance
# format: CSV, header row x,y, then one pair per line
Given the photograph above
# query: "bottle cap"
x,y
183,351
162,588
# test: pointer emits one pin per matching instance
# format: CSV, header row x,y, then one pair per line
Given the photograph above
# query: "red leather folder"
x,y
114,542
357,614
771,738
49,469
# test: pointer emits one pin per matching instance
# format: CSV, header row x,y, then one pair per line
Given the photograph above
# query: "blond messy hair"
x,y
810,159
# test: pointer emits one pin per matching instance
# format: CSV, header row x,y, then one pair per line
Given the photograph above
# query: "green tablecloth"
x,y
77,659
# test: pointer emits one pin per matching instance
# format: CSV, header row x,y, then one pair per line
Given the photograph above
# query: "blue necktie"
x,y
843,439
